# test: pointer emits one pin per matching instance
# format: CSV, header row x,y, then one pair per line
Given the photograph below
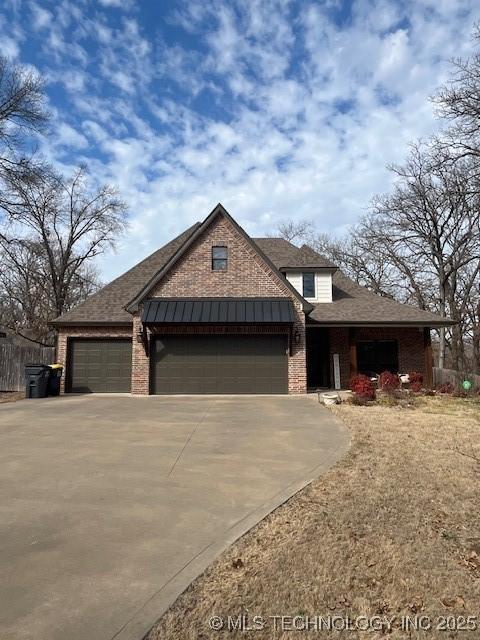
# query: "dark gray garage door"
x,y
99,366
220,364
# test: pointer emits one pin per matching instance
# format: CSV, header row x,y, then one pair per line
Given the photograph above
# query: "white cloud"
x,y
66,136
94,130
10,47
270,106
11,36
41,18
117,4
312,144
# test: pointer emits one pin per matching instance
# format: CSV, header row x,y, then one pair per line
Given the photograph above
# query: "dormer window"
x,y
308,279
313,285
219,258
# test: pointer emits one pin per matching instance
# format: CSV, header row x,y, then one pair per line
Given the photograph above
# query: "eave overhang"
x,y
308,268
91,323
386,323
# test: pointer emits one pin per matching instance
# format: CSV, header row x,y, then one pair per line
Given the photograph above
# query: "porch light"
x,y
297,337
140,336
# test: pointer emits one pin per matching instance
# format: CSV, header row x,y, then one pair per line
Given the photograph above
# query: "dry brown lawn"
x,y
11,396
392,530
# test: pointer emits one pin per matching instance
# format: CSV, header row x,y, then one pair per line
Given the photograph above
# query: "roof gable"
x,y
217,212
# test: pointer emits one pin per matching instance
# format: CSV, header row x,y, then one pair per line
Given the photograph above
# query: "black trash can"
x,y
36,380
55,374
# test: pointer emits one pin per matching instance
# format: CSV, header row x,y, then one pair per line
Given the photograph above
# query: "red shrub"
x,y
415,376
363,387
388,382
416,386
355,380
446,387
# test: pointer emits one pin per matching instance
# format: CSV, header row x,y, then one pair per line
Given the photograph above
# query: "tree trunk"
x,y
441,332
476,341
441,348
457,348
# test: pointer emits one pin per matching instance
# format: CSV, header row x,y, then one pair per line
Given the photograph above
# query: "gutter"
x,y
90,323
386,323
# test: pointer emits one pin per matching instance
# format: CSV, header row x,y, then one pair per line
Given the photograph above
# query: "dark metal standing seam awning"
x,y
218,311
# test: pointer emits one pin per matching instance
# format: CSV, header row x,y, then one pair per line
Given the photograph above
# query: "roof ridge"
x,y
219,209
286,255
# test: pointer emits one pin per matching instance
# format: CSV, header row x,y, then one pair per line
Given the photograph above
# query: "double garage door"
x,y
183,364
219,364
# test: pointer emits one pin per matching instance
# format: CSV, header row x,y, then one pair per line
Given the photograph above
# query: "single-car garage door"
x,y
219,364
99,366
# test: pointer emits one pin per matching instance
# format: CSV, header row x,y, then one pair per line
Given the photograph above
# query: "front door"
x,y
318,358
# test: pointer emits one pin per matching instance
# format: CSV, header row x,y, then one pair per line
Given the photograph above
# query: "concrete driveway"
x,y
111,505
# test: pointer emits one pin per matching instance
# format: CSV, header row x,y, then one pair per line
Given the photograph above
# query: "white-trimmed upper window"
x,y
308,284
314,286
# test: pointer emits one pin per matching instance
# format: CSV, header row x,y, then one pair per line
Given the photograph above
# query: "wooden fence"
x,y
441,376
14,357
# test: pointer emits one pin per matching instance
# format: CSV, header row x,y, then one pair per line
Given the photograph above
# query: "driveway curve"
x,y
111,505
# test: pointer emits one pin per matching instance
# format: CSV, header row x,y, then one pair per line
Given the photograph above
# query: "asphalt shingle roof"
x,y
351,304
107,305
284,254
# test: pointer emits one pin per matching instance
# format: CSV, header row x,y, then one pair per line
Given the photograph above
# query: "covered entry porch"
x,y
336,353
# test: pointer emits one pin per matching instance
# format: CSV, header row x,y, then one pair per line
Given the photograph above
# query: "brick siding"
x,y
411,352
247,275
140,362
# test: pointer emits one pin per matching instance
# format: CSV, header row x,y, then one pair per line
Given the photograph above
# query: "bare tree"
x,y
22,112
420,244
295,231
63,225
359,255
465,347
430,224
458,104
26,297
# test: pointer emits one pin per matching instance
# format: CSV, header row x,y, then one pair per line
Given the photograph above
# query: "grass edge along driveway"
x,y
392,530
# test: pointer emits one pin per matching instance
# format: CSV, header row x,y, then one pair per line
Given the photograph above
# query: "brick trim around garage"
x,y
66,333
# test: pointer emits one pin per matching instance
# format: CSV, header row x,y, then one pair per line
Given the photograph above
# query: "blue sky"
x,y
278,109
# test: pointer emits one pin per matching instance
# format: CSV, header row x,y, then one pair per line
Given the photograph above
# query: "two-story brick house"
x,y
215,311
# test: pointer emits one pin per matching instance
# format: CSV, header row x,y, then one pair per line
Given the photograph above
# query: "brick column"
x,y
140,362
61,352
297,360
